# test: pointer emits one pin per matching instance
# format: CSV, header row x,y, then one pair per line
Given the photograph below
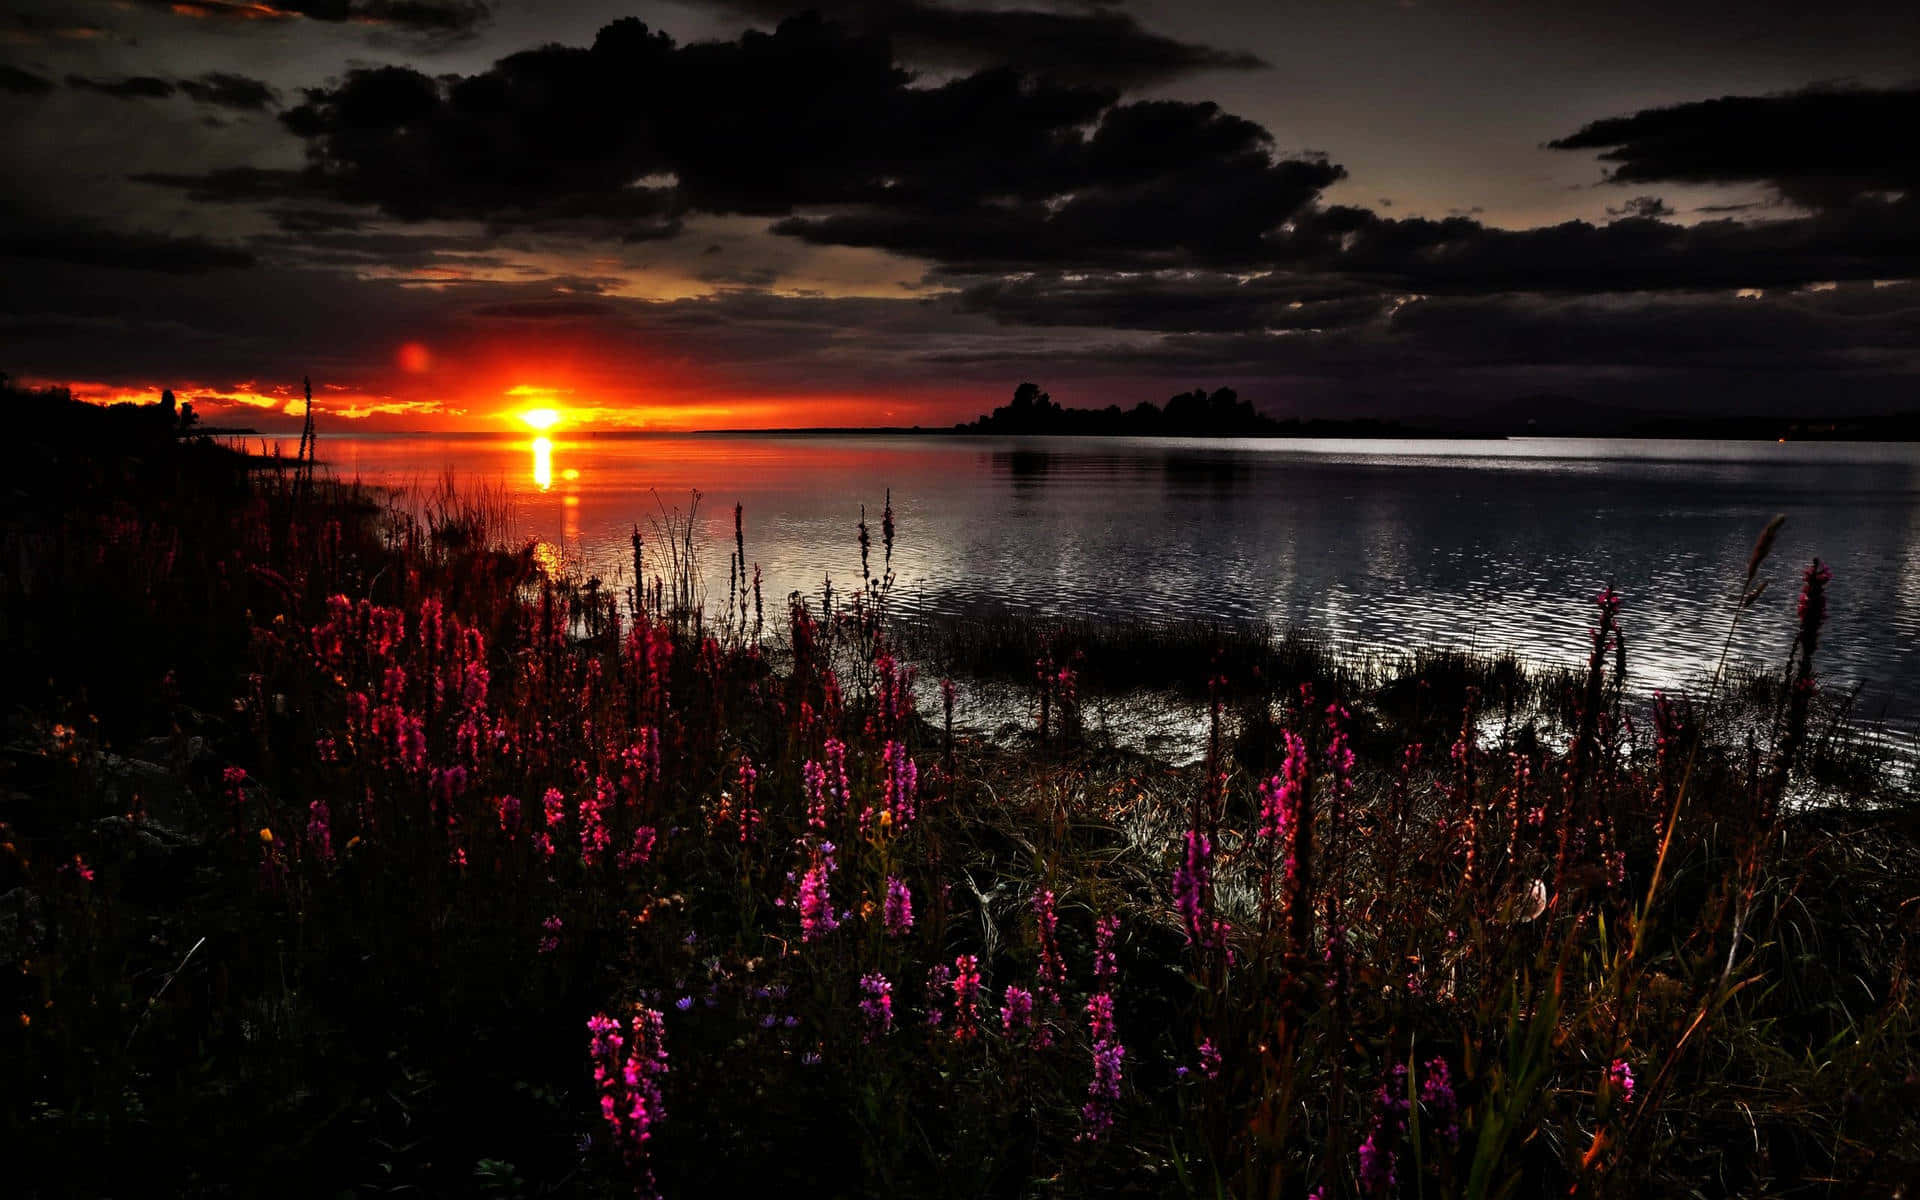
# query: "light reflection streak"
x,y
543,463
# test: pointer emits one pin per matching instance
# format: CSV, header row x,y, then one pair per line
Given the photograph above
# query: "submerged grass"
x,y
347,848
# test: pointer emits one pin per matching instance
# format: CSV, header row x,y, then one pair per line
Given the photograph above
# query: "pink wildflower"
x,y
896,915
1016,1011
816,903
1620,1079
876,1004
966,996
320,830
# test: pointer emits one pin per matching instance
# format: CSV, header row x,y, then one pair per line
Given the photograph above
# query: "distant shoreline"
x,y
937,432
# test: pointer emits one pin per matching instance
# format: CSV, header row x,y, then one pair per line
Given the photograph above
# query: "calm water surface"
x,y
1385,544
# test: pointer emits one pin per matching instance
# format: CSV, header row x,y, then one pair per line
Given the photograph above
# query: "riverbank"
x,y
348,848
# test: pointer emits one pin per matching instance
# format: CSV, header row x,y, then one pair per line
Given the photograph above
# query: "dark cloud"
x,y
1092,43
234,185
439,17
317,220
1174,301
134,87
132,251
994,166
1871,239
1821,147
229,91
23,83
34,28
218,88
544,310
1649,208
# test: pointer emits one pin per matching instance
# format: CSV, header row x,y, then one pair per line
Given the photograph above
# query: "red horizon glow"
x,y
279,407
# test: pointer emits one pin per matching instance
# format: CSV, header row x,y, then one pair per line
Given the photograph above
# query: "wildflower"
x,y
966,995
1209,1059
551,940
507,808
876,1004
79,869
1016,1012
553,808
1193,893
1376,1167
816,903
641,851
1103,1091
1280,796
233,781
631,1100
834,765
1379,1157
594,835
1051,972
320,830
896,915
1105,964
900,783
1436,1094
749,816
1620,1079
939,979
813,779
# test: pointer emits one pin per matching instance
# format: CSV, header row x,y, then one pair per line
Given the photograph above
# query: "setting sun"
x,y
540,418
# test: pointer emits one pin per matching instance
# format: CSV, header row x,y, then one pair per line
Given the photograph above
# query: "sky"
x,y
736,213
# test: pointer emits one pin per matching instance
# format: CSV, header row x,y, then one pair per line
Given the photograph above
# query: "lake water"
x,y
1377,544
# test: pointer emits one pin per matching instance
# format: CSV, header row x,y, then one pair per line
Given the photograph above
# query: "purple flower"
x,y
1103,1092
1051,971
1620,1079
1016,1012
1210,1059
631,1101
1379,1158
876,1004
897,913
1436,1093
1105,965
817,918
966,996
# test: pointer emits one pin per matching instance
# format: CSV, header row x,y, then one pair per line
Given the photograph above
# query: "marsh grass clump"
x,y
350,844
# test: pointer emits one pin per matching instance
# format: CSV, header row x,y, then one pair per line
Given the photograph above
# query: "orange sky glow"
x,y
273,408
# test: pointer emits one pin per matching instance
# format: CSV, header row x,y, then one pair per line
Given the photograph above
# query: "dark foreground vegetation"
x,y
344,851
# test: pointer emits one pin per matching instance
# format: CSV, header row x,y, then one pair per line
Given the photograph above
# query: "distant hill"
x,y
1199,413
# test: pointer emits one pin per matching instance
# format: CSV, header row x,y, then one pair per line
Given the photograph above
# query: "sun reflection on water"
x,y
543,463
